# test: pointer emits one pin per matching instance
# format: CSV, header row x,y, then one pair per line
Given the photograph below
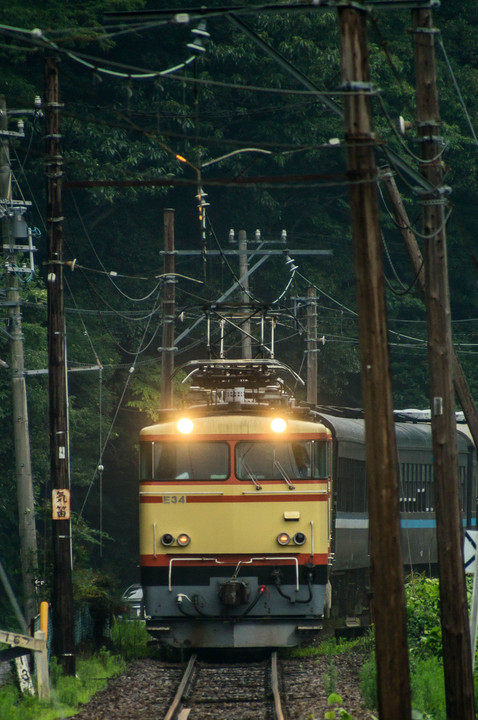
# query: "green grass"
x,y
129,640
66,692
428,688
331,647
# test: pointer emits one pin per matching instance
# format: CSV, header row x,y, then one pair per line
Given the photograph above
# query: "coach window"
x,y
271,461
185,461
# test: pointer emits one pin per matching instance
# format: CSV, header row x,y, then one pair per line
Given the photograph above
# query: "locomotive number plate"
x,y
174,499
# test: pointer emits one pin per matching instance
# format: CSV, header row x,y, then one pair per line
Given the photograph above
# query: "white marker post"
x,y
38,645
470,552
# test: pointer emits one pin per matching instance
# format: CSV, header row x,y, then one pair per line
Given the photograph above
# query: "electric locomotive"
x,y
236,513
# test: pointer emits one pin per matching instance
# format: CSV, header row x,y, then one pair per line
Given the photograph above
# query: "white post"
x,y
24,676
474,613
471,543
43,680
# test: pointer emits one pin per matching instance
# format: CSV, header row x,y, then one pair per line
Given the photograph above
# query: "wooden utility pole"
x,y
243,269
384,520
312,345
63,620
453,600
169,300
460,382
25,495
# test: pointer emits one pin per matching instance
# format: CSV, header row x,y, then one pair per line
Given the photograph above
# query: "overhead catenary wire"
x,y
103,268
115,274
303,91
132,369
352,312
85,331
96,294
147,316
457,88
284,148
38,38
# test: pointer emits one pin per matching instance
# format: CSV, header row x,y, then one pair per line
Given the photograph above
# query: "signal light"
x,y
185,426
183,540
278,425
167,539
299,538
283,539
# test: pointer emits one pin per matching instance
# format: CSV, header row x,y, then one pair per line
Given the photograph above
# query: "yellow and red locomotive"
x,y
235,514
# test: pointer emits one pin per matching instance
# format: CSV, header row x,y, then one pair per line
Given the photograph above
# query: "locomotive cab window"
x,y
274,461
170,461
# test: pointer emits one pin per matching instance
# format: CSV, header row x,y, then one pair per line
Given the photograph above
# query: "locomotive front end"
x,y
235,528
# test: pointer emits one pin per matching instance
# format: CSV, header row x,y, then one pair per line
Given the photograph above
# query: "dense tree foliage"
x,y
230,98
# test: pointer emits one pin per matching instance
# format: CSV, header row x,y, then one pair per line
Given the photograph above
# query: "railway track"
x,y
217,690
246,691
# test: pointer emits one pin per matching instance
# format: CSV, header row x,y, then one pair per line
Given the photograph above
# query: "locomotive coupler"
x,y
234,592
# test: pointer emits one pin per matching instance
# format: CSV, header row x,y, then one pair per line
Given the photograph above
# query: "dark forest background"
x,y
121,125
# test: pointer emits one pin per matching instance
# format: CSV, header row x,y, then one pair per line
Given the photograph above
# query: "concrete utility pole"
x,y
12,225
384,521
169,299
460,382
453,599
243,268
312,345
63,619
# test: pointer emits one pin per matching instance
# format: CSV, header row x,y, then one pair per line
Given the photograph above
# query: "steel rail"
x,y
174,708
278,715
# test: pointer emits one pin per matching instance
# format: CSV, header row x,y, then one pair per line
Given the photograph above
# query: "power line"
x,y
38,38
457,89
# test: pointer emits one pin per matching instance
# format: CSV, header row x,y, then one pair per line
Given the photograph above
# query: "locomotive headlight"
x,y
278,425
185,426
283,539
167,539
299,538
183,540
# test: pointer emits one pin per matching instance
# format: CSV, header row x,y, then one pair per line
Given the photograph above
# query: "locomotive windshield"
x,y
270,461
184,461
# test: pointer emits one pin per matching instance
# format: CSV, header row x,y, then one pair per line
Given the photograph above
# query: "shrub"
x,y
8,700
67,690
130,638
368,683
428,688
423,612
